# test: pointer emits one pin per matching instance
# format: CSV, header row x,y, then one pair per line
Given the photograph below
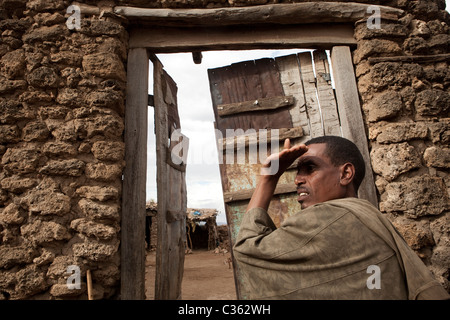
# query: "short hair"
x,y
340,151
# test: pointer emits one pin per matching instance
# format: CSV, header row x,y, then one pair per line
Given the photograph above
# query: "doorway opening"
x,y
203,180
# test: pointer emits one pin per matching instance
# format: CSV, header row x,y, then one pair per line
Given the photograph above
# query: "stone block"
x,y
98,193
12,64
46,257
30,280
9,133
98,211
392,160
391,75
93,229
7,86
59,149
40,232
383,106
16,255
20,160
60,290
71,97
35,131
69,58
375,48
437,157
433,102
108,150
107,66
107,98
387,31
104,27
398,132
103,172
43,77
52,33
416,197
12,214
95,251
417,236
72,167
12,111
109,126
47,202
17,184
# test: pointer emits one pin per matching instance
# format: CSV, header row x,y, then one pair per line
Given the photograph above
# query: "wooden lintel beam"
x,y
255,105
295,13
197,39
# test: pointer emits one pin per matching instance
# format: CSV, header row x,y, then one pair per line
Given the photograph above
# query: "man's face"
x,y
317,179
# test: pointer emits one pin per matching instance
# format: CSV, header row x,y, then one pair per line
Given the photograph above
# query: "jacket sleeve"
x,y
256,226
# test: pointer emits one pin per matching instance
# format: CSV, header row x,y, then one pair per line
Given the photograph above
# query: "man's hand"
x,y
277,163
274,166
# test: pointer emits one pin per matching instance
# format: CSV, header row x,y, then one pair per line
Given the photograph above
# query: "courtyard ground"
x,y
207,276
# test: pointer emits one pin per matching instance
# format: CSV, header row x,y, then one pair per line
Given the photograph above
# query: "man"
x,y
337,246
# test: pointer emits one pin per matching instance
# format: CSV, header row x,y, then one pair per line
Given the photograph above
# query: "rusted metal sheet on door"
x,y
248,83
292,77
171,189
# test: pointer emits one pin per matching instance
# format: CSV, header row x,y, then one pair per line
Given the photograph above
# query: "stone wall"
x,y
406,107
61,138
61,150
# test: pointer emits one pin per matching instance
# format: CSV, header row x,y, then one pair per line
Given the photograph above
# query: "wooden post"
x,y
350,114
134,181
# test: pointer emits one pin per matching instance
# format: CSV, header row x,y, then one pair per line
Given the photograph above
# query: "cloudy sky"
x,y
197,117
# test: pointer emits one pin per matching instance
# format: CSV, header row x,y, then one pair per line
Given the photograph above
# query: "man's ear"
x,y
347,174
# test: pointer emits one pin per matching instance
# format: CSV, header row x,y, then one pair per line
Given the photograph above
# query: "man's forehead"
x,y
315,150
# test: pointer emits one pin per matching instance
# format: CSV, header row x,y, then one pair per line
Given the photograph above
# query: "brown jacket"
x,y
340,249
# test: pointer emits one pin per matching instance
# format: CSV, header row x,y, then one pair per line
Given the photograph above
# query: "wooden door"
x,y
171,153
292,94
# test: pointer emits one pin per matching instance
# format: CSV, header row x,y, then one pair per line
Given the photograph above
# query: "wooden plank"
x,y
171,191
309,87
173,40
230,143
416,58
292,13
270,103
175,216
327,100
247,194
350,114
134,182
290,78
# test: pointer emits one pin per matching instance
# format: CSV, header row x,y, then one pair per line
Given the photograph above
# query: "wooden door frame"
x,y
223,32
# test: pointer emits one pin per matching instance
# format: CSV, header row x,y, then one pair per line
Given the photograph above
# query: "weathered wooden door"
x,y
171,153
292,94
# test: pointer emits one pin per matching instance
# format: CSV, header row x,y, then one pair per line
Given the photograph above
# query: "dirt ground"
x,y
207,276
